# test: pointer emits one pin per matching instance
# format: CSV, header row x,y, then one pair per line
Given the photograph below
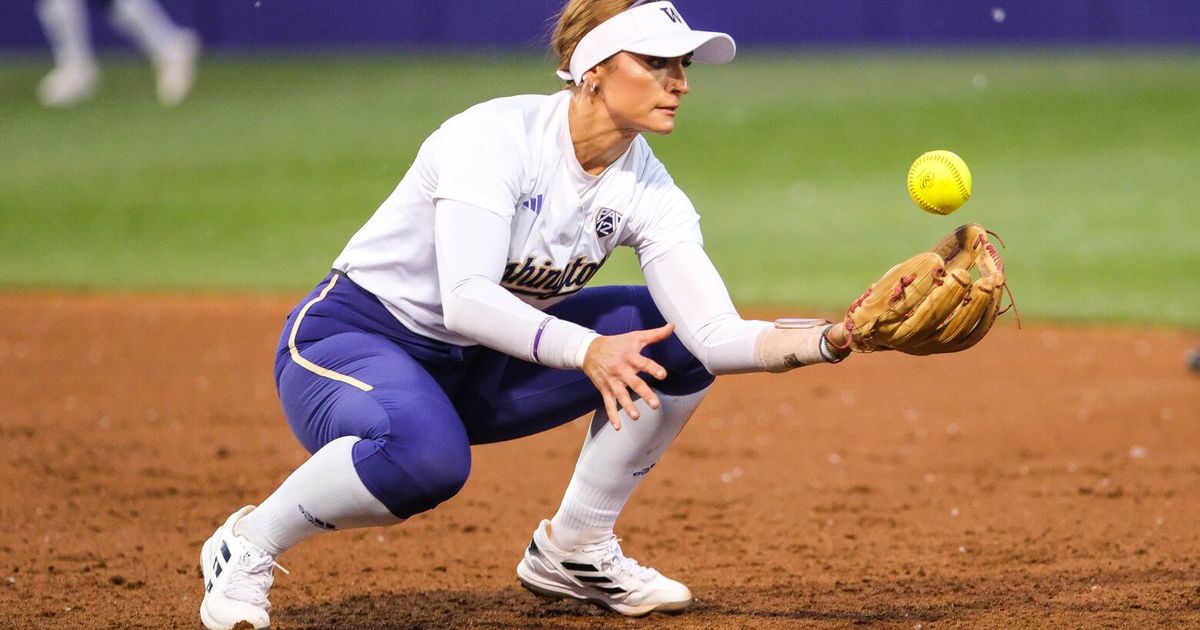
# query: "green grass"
x,y
1087,163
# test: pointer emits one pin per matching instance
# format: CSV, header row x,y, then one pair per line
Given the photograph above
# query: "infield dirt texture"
x,y
1047,478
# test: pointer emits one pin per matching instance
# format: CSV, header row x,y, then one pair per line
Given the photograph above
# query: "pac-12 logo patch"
x,y
606,222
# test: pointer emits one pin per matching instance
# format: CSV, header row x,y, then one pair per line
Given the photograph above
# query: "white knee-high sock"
x,y
613,463
147,24
325,493
66,25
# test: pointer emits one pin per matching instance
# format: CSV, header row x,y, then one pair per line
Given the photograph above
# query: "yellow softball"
x,y
939,182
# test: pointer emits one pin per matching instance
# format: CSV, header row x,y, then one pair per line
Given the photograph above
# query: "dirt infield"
x,y
833,496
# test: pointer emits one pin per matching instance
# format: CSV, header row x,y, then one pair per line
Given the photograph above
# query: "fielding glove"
x,y
933,302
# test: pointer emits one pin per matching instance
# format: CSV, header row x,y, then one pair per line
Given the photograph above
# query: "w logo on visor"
x,y
671,14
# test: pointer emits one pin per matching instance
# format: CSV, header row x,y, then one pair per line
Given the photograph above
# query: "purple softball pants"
x,y
419,404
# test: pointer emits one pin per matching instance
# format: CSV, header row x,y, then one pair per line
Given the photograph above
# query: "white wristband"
x,y
556,343
583,348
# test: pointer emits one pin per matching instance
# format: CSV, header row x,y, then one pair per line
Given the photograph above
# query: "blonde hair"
x,y
578,18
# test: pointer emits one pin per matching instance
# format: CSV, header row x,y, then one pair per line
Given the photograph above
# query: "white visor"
x,y
654,29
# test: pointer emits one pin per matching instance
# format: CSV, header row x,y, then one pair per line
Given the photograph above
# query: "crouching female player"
x,y
458,315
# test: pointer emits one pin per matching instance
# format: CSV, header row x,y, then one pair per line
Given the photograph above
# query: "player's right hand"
x,y
613,364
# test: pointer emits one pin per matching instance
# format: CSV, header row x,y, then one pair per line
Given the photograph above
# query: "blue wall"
x,y
523,23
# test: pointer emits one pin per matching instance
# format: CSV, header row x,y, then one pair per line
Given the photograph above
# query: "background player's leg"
x,y
75,72
172,49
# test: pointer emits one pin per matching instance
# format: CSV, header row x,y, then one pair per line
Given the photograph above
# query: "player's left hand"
x,y
613,363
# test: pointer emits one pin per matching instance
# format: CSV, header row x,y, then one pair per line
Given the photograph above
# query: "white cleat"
x,y
598,573
237,577
176,68
69,84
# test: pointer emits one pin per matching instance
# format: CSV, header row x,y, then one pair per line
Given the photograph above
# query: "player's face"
x,y
643,93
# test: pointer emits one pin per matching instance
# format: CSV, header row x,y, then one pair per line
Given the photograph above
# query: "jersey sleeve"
x,y
690,293
663,217
471,245
478,159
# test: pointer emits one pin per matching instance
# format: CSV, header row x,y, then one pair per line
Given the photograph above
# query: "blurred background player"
x,y
76,74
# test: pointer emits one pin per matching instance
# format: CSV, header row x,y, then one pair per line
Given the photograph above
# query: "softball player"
x,y
458,315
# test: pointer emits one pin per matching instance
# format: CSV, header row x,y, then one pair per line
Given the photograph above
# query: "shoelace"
x,y
252,578
613,559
